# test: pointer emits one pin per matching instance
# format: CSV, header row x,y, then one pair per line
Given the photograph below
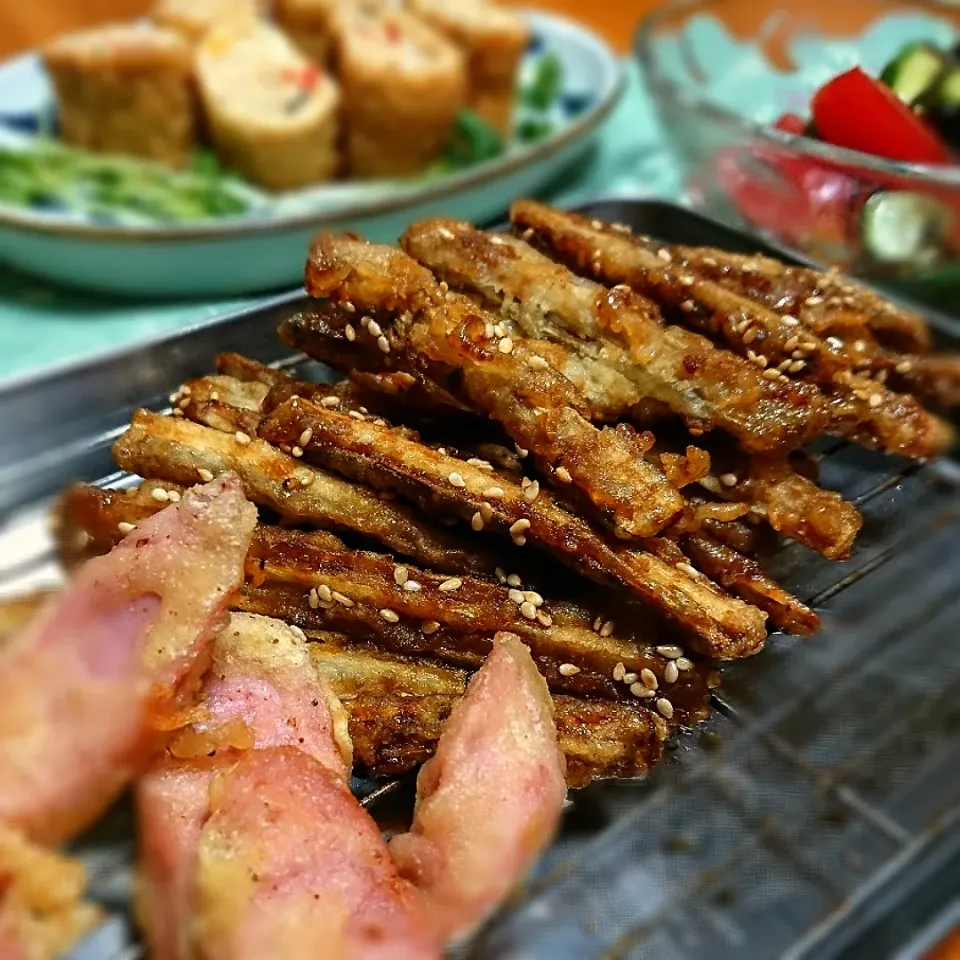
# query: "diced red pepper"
x,y
791,123
392,32
304,78
857,112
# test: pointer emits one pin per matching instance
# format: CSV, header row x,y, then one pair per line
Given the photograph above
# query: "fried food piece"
x,y
174,450
243,368
252,842
291,574
222,402
719,626
744,578
708,387
398,707
826,301
541,410
859,407
42,913
472,841
88,684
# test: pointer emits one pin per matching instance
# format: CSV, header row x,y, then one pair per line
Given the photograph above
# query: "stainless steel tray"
x,y
817,814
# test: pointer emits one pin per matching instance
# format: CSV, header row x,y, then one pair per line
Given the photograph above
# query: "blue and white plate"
x,y
264,247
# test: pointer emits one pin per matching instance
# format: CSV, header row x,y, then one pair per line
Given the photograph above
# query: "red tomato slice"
x,y
857,112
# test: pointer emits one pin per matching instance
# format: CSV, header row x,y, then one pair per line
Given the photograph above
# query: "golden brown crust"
x,y
719,626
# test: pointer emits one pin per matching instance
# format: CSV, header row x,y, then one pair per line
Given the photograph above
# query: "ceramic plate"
x,y
263,247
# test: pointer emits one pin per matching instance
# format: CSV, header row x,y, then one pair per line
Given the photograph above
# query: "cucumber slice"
x,y
904,228
941,106
914,72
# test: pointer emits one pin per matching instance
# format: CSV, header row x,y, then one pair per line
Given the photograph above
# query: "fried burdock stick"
x,y
540,409
175,450
709,388
776,343
397,708
312,580
719,626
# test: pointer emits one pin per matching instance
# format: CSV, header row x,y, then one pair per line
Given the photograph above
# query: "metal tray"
x,y
816,815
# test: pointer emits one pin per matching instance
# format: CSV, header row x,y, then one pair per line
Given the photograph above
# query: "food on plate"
x,y
403,86
90,682
315,25
472,840
493,39
42,912
272,114
251,840
858,406
126,89
193,19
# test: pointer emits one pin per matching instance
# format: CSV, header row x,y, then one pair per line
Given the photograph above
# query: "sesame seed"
x,y
177,413
813,301
516,595
505,345
797,366
400,575
430,626
728,479
456,480
528,610
568,670
683,663
563,475
686,281
444,286
442,451
536,362
340,598
533,597
639,690
664,255
349,307
670,651
521,453
488,331
770,374
296,452
486,513
330,402
751,335
492,493
477,462
598,623
125,527
808,345
391,616
514,580
629,678
242,438
383,344
671,672
520,527
476,522
688,570
790,321
373,328
544,618
351,334
791,344
875,400
665,707
618,672
356,415
532,492
411,586
606,630
649,678
835,342
205,474
904,366
326,594
184,403
454,583
174,496
784,365
313,598
159,494
306,436
688,306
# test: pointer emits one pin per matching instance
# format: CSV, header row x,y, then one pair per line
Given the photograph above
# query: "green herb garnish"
x,y
544,87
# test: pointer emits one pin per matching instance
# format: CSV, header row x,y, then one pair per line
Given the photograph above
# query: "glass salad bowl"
x,y
831,128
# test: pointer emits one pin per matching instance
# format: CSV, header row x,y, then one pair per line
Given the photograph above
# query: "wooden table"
x,y
24,25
